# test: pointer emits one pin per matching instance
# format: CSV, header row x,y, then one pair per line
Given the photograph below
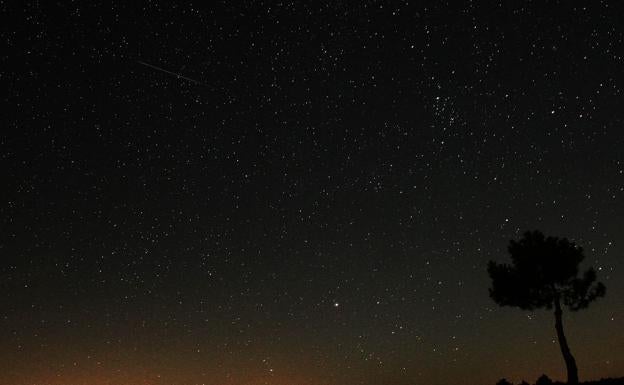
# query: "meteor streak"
x,y
167,72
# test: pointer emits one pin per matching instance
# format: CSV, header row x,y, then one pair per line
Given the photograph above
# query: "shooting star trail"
x,y
168,72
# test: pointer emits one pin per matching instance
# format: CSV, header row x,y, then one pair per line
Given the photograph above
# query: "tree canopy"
x,y
542,270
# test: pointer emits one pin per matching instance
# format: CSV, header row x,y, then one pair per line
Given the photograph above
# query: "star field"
x,y
302,192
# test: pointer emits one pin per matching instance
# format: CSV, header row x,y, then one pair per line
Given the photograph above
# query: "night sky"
x,y
264,192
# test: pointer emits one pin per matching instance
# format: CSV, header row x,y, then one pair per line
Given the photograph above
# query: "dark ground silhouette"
x,y
545,380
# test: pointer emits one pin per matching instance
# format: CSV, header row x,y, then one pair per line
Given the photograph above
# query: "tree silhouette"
x,y
543,380
544,274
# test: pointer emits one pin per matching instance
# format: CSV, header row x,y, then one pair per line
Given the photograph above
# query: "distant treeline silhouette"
x,y
545,380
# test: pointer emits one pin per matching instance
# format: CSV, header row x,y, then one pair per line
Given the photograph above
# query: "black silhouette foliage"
x,y
542,269
503,381
544,380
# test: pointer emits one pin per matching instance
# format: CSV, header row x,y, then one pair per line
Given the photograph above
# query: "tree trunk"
x,y
563,344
